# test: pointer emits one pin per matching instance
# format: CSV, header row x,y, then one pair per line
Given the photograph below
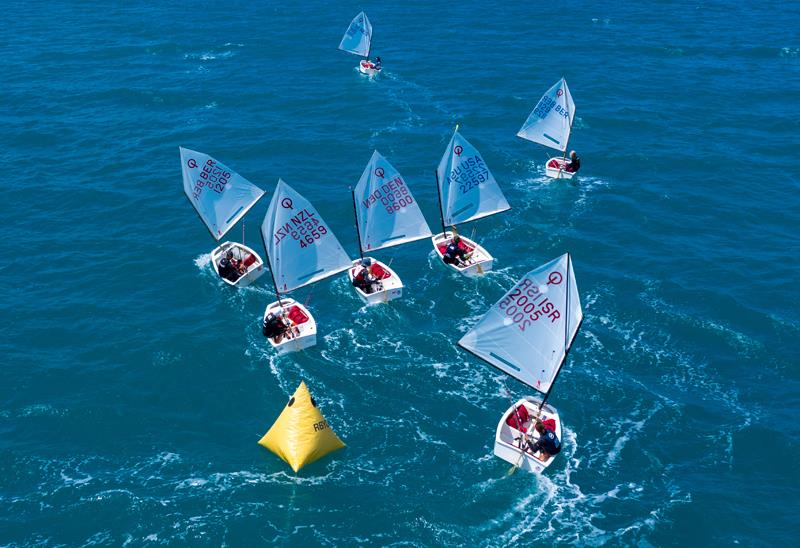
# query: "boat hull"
x,y
506,443
479,263
240,252
390,286
556,168
302,320
368,68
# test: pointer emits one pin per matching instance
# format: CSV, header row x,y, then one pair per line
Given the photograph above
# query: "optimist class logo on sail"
x,y
303,227
528,302
210,176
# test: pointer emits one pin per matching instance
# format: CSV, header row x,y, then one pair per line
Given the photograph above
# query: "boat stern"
x,y
390,286
514,424
555,168
303,323
479,263
254,266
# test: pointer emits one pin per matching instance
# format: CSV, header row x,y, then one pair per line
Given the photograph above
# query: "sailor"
x,y
229,268
377,63
275,328
574,163
548,443
453,254
236,263
363,279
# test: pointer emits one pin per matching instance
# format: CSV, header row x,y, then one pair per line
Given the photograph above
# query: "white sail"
x,y
528,332
386,211
468,189
358,37
301,247
220,195
551,120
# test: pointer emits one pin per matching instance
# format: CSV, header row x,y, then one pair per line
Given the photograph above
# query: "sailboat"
x,y
358,40
550,124
467,191
386,215
222,197
527,335
301,250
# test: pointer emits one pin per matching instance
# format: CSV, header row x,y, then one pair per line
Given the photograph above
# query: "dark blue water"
x,y
135,385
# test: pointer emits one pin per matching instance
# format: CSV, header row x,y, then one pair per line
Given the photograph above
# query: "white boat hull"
x,y
368,68
302,321
507,437
390,286
556,168
479,263
241,253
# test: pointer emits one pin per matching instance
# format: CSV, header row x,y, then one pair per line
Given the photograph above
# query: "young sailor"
x,y
574,163
453,254
364,280
276,328
230,268
548,443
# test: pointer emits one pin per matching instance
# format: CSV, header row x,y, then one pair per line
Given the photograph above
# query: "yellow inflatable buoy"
x,y
301,434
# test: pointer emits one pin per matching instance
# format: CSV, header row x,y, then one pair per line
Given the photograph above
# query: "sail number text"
x,y
393,196
469,173
526,304
211,176
303,227
546,104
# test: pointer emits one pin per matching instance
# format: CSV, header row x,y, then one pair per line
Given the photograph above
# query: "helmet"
x,y
229,254
366,261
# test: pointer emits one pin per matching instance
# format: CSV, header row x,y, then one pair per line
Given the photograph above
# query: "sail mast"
x,y
369,36
439,195
271,273
355,214
566,337
571,121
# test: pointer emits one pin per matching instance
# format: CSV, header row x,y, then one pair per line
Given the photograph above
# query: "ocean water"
x,y
135,384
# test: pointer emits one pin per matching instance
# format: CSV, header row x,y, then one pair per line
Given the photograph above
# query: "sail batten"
x,y
220,195
550,122
523,334
235,214
301,248
387,213
467,188
357,38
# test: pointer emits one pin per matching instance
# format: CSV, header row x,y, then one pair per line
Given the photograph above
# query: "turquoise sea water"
x,y
135,384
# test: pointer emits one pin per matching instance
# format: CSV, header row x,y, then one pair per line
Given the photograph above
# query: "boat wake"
x,y
227,50
203,262
558,508
411,99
